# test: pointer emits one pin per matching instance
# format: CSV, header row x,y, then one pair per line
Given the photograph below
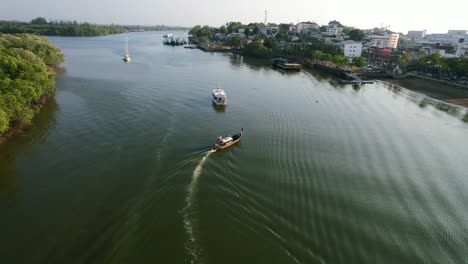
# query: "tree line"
x,y
40,26
25,63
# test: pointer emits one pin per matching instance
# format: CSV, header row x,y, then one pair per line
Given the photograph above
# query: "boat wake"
x,y
189,212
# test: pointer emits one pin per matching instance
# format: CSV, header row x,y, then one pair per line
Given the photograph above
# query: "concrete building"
x,y
352,49
269,31
451,37
417,34
306,25
334,30
456,33
385,40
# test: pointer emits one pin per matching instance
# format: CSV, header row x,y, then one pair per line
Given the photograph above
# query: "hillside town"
x,y
379,49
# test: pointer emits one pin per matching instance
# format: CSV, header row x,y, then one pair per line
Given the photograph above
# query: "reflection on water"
x,y
8,180
219,108
423,101
35,134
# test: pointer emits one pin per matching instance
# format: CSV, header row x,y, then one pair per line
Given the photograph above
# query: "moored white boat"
x,y
219,96
222,143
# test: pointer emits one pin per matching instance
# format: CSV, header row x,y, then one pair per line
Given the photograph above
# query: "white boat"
x,y
127,54
219,96
168,35
222,143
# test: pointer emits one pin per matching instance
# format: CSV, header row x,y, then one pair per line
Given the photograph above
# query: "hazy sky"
x,y
400,15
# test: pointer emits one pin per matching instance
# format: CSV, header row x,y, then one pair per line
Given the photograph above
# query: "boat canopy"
x,y
227,139
219,95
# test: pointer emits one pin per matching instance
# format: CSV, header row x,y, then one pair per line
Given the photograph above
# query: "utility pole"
x,y
266,13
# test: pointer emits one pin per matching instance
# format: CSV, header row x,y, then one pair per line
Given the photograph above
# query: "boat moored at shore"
x,y
283,64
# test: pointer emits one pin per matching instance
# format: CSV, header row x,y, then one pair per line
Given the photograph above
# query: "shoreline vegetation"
x,y
27,79
437,77
40,26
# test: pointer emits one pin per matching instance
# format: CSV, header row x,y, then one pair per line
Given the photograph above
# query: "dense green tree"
x,y
40,26
236,41
404,60
223,30
233,27
356,34
255,30
284,28
256,49
25,61
271,43
39,20
360,61
195,30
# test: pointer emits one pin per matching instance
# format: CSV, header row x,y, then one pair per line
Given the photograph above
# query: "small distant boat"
x,y
219,96
168,35
127,54
222,143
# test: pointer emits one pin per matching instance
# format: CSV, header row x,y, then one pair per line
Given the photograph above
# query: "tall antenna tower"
x,y
266,14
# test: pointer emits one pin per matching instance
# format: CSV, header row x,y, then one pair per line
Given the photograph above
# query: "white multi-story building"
x,y
269,31
334,30
385,40
352,49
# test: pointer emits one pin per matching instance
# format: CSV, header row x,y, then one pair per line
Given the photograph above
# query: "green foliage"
x,y
256,49
223,30
404,60
3,120
24,79
284,28
356,34
236,41
39,20
233,27
271,43
360,62
40,46
195,30
434,63
255,30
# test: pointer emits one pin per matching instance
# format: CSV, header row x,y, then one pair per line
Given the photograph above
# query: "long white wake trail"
x,y
189,212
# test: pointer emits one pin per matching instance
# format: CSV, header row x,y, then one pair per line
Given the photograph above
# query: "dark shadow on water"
x,y
35,134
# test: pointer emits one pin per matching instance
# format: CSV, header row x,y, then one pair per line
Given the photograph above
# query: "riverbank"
x,y
448,94
451,94
18,127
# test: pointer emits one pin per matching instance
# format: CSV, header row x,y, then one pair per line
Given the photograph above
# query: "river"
x,y
115,169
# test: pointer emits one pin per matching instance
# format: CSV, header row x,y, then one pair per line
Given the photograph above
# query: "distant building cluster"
x,y
452,44
377,41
